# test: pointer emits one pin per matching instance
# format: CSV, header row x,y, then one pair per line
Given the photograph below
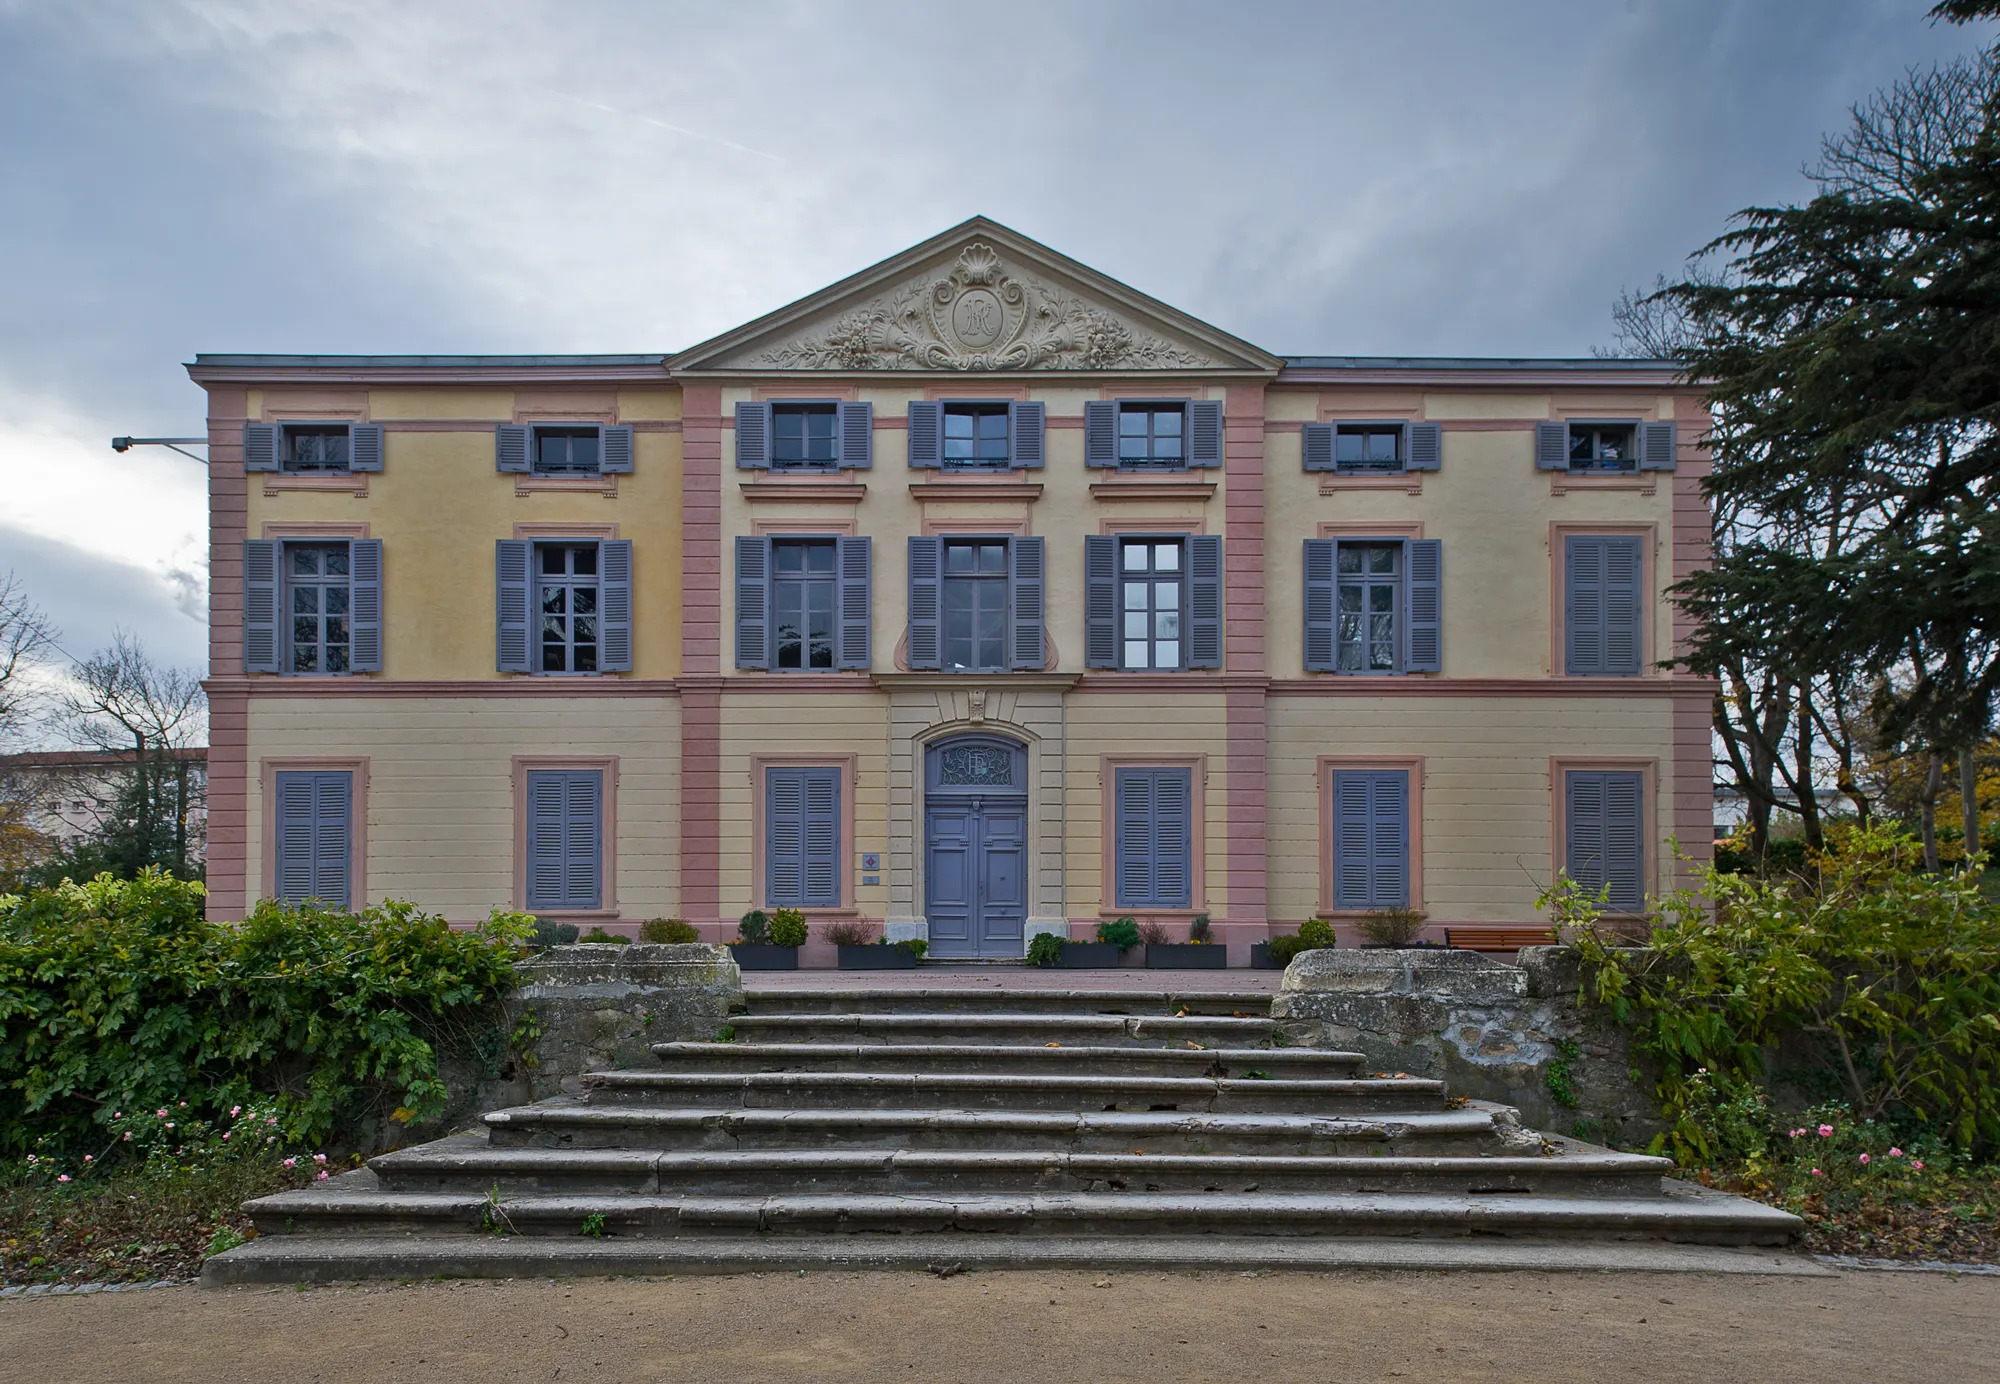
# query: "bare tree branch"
x,y
27,637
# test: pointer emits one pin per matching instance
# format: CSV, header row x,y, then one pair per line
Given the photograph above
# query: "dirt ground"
x,y
1046,1328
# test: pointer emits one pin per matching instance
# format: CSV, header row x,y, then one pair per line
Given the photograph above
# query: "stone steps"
x,y
998,999
933,1029
1008,1059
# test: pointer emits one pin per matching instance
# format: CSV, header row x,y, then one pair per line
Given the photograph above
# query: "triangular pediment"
x,y
978,299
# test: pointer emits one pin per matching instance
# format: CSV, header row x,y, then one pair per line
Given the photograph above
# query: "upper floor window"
x,y
566,594
1604,605
803,587
1370,591
312,607
1153,604
564,606
804,436
1603,447
975,436
1374,605
318,595
802,604
563,451
976,604
315,447
1152,435
1151,584
312,448
1372,447
1368,447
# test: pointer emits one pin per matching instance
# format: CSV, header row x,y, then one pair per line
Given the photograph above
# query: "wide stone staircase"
x,y
855,1128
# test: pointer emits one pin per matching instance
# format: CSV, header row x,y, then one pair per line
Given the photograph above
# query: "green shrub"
x,y
1394,927
788,928
548,934
119,995
1315,933
599,935
1282,948
1122,934
668,930
915,946
1201,932
1044,949
755,928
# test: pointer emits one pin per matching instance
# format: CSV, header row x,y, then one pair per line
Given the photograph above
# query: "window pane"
x,y
1382,446
1168,655
819,558
1347,446
583,601
993,559
1350,558
584,629
1135,557
1167,422
305,562
1131,449
1350,599
583,561
1167,625
1135,654
305,600
1382,598
554,599
1132,423
1135,624
1167,448
1135,595
336,659
1167,595
1167,557
552,561
1382,560
585,659
336,600
959,557
336,629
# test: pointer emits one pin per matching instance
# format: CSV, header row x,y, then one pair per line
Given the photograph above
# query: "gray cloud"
x,y
90,598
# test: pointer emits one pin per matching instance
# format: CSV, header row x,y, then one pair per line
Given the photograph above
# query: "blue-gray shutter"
x,y
1603,607
513,560
1100,432
802,843
260,446
1624,606
364,605
1027,423
1371,838
364,447
1321,588
926,434
1316,445
857,435
1100,601
1027,560
1552,446
614,451
261,582
314,835
1204,424
926,649
1604,846
1423,614
823,845
1204,632
1424,447
510,448
1656,446
753,602
614,605
853,602
753,437
1153,851
565,865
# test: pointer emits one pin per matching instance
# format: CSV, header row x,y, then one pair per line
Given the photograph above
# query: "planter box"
x,y
1260,957
1187,956
1090,956
876,958
751,957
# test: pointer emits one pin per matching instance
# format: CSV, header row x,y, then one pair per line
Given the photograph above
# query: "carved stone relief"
x,y
981,316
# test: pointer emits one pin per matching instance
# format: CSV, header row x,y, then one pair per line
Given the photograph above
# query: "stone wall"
x,y
1509,1033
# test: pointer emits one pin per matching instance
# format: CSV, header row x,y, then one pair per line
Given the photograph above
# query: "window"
x,y
1371,838
805,436
1604,837
1603,605
975,436
318,594
803,588
1374,605
802,846
314,837
975,605
1155,838
566,451
1152,435
315,447
565,839
1367,447
566,595
1603,447
1150,600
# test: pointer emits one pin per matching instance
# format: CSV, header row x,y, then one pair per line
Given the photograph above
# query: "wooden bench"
x,y
1499,937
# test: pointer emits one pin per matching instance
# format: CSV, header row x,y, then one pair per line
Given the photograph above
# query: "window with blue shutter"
x,y
1154,845
260,605
1604,838
802,846
1374,606
312,607
855,602
314,837
753,437
926,646
565,866
1603,605
578,596
1371,838
1028,579
1029,423
1153,604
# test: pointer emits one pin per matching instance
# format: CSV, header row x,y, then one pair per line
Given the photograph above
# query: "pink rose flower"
x,y
234,1111
323,1175
1917,1164
225,1138
1817,1173
1864,1158
161,1113
88,1159
319,1158
1826,1131
1895,1152
128,1136
62,1177
291,1162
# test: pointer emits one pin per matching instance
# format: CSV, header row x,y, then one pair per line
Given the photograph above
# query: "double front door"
x,y
975,872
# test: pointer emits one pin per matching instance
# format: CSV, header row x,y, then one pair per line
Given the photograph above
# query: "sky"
x,y
1426,177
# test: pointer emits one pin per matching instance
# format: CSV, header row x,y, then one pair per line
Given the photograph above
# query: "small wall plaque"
x,y
871,861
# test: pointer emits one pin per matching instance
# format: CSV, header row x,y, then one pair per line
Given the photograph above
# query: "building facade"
x,y
978,595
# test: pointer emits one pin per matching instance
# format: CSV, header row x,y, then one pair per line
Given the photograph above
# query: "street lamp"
x,y
177,444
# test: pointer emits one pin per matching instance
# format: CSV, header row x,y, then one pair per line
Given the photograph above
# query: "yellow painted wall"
x,y
441,826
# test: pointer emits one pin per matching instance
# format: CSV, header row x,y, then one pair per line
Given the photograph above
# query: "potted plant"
x,y
859,946
1114,939
1393,928
758,947
1276,954
1201,952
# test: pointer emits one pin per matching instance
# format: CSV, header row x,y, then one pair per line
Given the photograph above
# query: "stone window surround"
x,y
1648,534
1411,764
607,765
1648,768
1108,766
357,828
848,765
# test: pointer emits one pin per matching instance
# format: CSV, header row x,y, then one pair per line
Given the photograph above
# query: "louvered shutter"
x,y
1353,839
753,437
364,447
1423,621
261,584
1583,833
293,833
1603,606
364,604
1204,421
1027,425
1425,447
753,602
1316,443
1371,838
1552,446
1100,601
547,840
1604,839
926,649
822,838
512,561
1656,446
614,604
1319,602
260,446
1133,849
1027,582
1153,850
565,865
853,602
614,451
1622,606
1204,637
926,434
857,435
784,837
1100,432
511,452
314,836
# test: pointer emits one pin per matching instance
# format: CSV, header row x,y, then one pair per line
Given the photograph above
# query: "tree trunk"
x,y
1968,796
1933,785
1802,752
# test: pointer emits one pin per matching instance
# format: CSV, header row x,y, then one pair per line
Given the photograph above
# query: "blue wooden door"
x,y
976,876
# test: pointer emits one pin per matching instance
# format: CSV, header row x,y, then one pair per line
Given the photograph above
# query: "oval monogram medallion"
x,y
977,318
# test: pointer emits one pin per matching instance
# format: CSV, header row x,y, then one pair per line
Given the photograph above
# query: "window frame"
x,y
606,766
1107,776
977,408
287,427
1631,426
356,767
535,433
536,613
1560,532
1401,427
1648,769
1003,581
803,581
1179,540
287,656
1413,767
1152,406
846,766
829,408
